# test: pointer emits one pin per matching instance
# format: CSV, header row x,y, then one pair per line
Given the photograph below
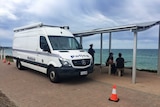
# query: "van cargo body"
x,y
52,50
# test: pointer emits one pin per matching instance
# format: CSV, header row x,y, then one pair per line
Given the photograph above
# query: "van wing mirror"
x,y
46,48
80,46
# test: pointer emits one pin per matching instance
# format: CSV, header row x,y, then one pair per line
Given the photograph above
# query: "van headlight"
x,y
64,62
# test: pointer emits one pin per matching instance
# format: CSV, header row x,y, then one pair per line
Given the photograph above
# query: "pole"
x,y
158,70
110,37
101,49
101,52
134,58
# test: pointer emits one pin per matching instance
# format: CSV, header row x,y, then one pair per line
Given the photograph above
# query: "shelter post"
x,y
134,58
101,52
158,70
110,38
101,49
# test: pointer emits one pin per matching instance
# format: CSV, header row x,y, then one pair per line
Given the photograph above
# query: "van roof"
x,y
36,25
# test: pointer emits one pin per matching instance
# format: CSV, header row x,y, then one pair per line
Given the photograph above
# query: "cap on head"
x,y
91,45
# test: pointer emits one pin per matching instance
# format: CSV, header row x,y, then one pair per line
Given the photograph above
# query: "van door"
x,y
43,54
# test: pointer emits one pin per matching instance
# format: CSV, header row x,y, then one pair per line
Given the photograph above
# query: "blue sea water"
x,y
146,58
8,51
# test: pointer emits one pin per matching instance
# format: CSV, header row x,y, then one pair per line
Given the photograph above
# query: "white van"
x,y
51,50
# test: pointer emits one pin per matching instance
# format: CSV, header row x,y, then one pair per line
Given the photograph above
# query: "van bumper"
x,y
70,71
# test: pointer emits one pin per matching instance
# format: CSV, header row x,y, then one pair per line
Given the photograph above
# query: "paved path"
x,y
32,89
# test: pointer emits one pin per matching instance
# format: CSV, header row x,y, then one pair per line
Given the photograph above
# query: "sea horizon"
x,y
147,59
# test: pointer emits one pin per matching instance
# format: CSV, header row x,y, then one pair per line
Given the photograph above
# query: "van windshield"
x,y
64,43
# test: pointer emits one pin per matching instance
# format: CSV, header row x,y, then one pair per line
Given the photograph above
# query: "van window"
x,y
64,43
43,44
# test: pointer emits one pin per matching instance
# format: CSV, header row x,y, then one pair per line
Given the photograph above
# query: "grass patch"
x,y
5,102
9,58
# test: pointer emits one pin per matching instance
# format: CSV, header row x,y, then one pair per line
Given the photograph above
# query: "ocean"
x,y
147,59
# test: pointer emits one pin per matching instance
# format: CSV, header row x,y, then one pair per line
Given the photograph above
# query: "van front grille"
x,y
82,62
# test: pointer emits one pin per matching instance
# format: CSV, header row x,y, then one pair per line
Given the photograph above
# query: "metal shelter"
x,y
135,28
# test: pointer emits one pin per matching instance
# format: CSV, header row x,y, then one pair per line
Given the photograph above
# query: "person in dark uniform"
x,y
91,51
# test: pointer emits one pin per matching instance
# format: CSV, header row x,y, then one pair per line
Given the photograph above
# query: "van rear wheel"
x,y
53,76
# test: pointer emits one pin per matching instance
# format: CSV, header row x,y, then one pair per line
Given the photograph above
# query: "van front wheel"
x,y
18,64
53,76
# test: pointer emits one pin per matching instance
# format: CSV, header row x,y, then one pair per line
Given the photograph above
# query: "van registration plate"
x,y
83,72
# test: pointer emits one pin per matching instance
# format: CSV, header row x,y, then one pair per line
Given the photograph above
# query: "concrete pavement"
x,y
28,88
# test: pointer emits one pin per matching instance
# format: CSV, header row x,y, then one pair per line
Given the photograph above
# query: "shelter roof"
x,y
131,27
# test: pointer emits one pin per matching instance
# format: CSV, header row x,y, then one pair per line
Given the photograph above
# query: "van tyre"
x,y
19,65
53,76
84,76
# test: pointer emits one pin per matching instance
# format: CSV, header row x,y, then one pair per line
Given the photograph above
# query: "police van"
x,y
52,50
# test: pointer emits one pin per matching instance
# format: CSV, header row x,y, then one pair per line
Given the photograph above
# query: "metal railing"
x,y
3,52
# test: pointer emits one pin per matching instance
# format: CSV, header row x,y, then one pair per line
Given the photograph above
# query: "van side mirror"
x,y
80,47
46,48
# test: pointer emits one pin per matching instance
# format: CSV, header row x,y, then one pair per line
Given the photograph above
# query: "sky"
x,y
84,15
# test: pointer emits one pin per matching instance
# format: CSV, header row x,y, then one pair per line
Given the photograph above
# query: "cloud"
x,y
5,37
9,8
5,34
135,11
6,11
80,15
74,13
50,8
97,20
7,14
115,43
147,44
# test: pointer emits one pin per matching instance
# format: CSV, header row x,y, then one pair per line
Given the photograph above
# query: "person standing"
x,y
91,51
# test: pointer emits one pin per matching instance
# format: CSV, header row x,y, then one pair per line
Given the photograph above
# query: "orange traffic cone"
x,y
4,60
9,63
114,96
